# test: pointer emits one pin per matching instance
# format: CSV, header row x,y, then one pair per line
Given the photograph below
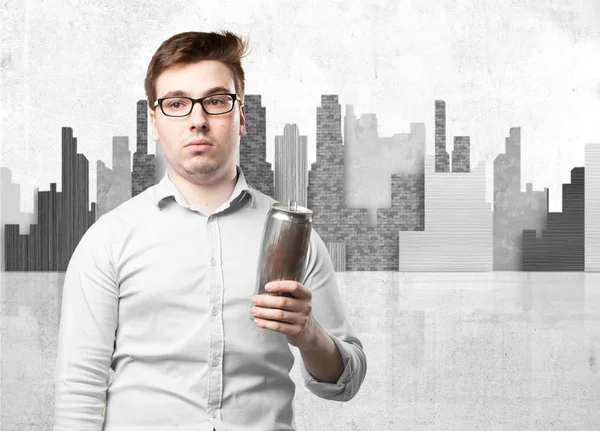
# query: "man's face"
x,y
203,164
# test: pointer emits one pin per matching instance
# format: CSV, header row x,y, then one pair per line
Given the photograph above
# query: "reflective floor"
x,y
446,351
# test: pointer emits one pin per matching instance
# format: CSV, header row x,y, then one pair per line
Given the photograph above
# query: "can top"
x,y
292,207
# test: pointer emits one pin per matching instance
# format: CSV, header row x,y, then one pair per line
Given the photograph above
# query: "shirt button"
x,y
215,362
215,311
213,261
213,414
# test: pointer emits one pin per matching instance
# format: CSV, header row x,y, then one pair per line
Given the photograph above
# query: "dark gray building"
x,y
461,154
253,147
63,218
442,158
143,175
561,247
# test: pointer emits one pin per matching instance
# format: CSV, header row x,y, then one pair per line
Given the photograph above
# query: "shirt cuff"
x,y
341,390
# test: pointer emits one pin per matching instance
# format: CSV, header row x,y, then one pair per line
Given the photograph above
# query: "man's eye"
x,y
176,103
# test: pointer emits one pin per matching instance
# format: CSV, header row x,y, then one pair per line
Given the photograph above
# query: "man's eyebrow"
x,y
181,93
176,93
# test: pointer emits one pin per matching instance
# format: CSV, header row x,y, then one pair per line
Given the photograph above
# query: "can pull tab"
x,y
292,205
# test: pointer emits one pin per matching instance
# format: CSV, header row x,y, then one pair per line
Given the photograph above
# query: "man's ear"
x,y
155,136
242,120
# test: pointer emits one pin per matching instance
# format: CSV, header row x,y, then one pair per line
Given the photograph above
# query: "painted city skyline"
x,y
380,203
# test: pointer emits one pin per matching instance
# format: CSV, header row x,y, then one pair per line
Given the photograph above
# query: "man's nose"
x,y
198,118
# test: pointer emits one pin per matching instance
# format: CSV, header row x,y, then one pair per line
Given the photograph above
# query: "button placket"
x,y
216,330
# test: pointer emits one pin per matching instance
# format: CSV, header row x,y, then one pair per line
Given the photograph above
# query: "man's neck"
x,y
205,197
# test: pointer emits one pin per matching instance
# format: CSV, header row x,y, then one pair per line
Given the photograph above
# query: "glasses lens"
x,y
176,106
218,104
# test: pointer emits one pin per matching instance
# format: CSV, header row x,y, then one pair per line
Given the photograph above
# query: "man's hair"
x,y
192,47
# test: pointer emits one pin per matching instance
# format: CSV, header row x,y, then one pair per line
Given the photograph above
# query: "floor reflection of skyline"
x,y
477,350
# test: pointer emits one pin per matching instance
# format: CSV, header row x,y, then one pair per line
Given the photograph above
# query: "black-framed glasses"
x,y
179,106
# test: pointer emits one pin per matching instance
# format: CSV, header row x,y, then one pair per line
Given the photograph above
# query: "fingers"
x,y
281,302
289,329
279,315
296,289
287,315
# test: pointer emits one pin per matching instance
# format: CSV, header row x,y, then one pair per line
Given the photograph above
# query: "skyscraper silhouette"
x,y
326,176
442,159
461,154
291,166
253,147
143,175
561,246
514,210
63,218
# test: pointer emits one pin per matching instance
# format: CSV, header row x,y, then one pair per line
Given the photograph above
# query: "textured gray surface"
x,y
447,351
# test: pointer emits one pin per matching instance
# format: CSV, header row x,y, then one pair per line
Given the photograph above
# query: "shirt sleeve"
x,y
329,313
89,314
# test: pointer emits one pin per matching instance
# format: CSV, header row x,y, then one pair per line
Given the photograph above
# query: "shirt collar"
x,y
166,189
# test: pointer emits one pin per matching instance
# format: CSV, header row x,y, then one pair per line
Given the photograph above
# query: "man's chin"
x,y
202,170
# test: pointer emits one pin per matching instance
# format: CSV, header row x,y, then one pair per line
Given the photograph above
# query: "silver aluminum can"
x,y
285,242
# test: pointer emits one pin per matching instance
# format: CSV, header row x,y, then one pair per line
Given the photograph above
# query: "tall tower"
x,y
326,176
253,147
442,159
291,166
143,175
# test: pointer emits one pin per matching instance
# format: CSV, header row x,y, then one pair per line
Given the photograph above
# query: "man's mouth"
x,y
198,144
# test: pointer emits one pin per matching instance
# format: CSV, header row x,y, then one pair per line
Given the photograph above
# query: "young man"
x,y
161,289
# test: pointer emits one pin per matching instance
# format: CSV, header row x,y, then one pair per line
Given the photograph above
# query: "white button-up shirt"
x,y
161,293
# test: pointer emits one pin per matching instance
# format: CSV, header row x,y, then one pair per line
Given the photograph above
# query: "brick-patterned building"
x,y
366,248
442,158
253,147
461,154
143,175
